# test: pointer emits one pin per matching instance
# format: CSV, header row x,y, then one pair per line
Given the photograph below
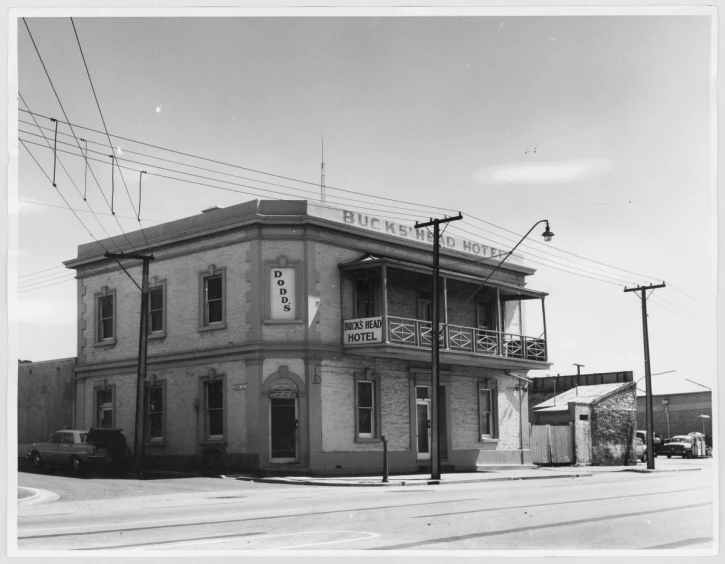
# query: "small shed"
x,y
603,420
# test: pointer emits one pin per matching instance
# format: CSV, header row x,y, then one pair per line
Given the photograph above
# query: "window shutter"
x,y
492,384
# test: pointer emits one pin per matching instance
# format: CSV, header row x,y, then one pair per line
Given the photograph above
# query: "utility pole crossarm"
x,y
419,225
650,287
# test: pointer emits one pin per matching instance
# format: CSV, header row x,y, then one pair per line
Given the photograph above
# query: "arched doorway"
x,y
284,416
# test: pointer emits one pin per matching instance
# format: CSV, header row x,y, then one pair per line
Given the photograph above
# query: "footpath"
x,y
532,473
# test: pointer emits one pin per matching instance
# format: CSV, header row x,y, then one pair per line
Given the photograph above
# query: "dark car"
x,y
82,451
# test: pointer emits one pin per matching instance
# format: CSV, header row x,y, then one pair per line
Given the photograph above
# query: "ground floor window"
x,y
104,407
155,413
488,409
214,396
367,406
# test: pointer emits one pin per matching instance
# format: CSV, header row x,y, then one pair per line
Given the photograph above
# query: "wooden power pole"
x,y
435,463
647,373
138,453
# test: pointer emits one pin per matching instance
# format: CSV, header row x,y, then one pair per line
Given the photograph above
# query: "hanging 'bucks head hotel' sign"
x,y
407,231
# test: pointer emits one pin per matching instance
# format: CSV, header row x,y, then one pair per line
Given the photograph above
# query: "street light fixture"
x,y
703,417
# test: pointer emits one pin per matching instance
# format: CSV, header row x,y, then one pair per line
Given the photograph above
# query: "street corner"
x,y
35,496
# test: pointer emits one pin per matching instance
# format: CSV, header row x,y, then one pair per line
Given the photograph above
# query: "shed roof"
x,y
582,395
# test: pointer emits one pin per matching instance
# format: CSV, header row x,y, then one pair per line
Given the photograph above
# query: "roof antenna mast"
x,y
322,172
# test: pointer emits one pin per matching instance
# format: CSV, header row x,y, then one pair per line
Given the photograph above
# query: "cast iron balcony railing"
x,y
417,333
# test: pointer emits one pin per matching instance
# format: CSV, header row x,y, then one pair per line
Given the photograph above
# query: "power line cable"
x,y
47,74
88,72
263,190
65,169
380,197
25,291
86,211
40,271
62,196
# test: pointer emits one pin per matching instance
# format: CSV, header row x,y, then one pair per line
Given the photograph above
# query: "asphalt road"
x,y
613,511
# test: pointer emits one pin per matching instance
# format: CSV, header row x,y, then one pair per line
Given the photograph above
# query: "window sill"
x,y
488,440
160,443
157,335
213,326
366,440
221,441
280,321
106,343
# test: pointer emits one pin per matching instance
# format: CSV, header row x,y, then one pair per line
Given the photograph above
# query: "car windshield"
x,y
680,439
83,437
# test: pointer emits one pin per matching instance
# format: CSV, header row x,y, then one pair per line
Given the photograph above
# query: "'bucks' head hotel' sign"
x,y
396,229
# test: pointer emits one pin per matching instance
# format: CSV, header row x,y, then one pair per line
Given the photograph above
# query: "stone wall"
x,y
613,426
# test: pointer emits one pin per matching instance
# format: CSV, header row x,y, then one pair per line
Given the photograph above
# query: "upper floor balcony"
x,y
387,311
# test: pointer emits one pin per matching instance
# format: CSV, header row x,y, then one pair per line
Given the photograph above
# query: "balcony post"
x,y
446,336
546,338
384,276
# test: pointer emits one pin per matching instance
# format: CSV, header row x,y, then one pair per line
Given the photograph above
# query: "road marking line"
x,y
368,535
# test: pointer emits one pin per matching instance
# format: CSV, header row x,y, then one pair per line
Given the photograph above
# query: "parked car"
x,y
656,441
686,446
640,449
82,451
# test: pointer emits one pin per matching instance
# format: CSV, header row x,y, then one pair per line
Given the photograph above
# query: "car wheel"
x,y
37,461
77,466
669,456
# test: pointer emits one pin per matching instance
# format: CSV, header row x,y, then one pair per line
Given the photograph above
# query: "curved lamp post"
x,y
704,417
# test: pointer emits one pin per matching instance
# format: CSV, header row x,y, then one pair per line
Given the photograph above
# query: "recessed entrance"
x,y
283,429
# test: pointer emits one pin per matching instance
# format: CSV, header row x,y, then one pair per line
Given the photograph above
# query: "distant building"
x,y
289,337
543,388
678,414
602,419
45,398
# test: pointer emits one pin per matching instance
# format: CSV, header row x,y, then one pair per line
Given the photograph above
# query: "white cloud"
x,y
158,109
544,172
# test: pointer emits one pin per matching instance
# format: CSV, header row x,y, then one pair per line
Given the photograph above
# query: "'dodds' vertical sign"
x,y
282,293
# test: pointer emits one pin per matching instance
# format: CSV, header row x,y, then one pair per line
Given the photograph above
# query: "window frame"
x,y
148,439
158,285
97,406
205,438
212,272
491,386
371,293
376,417
97,321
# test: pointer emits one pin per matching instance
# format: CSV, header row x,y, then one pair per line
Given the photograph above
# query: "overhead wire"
x,y
574,269
50,80
550,249
90,80
86,211
66,170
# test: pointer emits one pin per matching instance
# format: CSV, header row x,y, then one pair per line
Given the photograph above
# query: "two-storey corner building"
x,y
285,336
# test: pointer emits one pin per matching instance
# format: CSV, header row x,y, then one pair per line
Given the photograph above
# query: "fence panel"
x,y
561,444
540,444
551,444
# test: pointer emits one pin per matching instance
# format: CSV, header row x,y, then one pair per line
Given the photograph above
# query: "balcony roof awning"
x,y
510,291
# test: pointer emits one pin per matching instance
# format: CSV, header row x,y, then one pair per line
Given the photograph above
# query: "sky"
x,y
600,124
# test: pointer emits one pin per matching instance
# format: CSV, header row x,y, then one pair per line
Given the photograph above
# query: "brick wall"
x,y
338,405
182,304
181,416
45,399
684,412
613,425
